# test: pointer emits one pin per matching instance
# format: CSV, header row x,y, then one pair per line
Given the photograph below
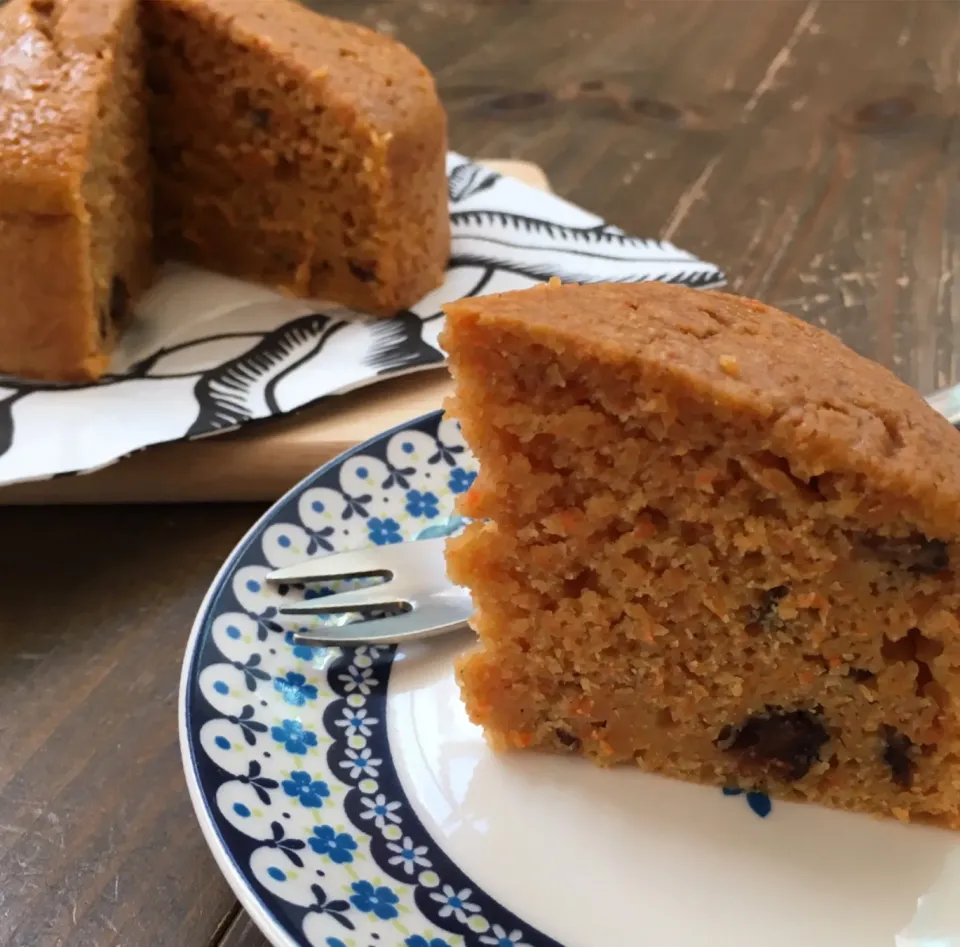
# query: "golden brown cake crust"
x,y
377,77
74,192
827,408
48,99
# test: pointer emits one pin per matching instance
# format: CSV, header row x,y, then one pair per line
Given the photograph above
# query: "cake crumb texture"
x,y
712,541
297,150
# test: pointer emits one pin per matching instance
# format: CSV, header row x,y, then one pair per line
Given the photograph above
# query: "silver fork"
x,y
417,587
425,602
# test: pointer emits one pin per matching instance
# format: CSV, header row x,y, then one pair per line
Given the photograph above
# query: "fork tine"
x,y
371,561
342,565
374,598
395,629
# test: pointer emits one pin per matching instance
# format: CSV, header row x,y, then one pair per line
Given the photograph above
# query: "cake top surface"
x,y
54,55
818,404
373,75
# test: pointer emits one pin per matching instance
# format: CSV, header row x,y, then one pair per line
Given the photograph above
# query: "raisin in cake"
x,y
296,150
74,184
718,545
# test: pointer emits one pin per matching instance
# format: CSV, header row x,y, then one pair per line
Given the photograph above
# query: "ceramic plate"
x,y
350,803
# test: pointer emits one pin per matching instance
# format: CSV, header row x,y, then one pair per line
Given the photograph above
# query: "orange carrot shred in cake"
x,y
715,543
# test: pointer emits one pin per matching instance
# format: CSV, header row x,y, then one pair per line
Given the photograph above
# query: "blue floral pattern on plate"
x,y
285,745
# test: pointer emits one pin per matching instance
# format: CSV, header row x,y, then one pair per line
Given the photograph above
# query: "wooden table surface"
x,y
811,149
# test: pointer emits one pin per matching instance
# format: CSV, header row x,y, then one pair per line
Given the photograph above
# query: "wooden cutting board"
x,y
263,460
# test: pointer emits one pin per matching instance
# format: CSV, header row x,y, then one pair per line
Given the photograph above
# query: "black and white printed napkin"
x,y
208,354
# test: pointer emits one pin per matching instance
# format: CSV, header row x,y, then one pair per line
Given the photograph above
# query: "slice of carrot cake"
x,y
717,544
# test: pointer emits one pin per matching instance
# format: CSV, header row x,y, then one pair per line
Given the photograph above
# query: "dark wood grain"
x,y
242,932
809,148
97,841
822,179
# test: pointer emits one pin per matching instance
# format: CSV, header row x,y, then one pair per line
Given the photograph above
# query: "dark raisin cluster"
x,y
365,273
116,308
785,743
765,614
915,553
568,739
898,755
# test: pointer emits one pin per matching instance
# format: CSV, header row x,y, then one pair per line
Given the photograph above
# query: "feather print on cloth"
x,y
208,353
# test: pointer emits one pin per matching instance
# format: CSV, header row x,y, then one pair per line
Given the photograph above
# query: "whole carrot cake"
x,y
718,544
288,148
